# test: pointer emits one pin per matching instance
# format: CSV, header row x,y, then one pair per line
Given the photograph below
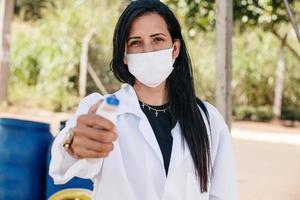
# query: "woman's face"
x,y
150,33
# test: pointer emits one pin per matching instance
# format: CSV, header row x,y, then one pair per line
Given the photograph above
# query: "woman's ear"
x,y
125,60
176,48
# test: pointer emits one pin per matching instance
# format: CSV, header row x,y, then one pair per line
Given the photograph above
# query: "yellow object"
x,y
72,194
68,139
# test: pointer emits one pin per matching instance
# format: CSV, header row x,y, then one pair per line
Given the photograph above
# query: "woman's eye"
x,y
158,39
134,43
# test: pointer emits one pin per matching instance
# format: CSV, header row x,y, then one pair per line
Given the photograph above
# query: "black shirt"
x,y
162,123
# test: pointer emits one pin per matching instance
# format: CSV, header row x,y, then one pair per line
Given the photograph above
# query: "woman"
x,y
166,143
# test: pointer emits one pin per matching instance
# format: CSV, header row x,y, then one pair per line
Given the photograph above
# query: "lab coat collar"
x,y
129,104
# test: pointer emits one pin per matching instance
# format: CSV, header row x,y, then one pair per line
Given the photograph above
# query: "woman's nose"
x,y
148,47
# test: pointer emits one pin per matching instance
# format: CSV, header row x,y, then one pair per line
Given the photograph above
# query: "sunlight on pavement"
x,y
285,138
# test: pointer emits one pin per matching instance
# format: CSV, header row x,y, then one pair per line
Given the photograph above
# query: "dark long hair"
x,y
181,92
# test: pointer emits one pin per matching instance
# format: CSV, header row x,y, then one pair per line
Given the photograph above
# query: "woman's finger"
x,y
96,134
86,143
86,153
93,120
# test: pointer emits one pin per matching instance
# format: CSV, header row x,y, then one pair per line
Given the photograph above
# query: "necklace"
x,y
155,110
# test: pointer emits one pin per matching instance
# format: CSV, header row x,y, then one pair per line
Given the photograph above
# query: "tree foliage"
x,y
32,9
200,14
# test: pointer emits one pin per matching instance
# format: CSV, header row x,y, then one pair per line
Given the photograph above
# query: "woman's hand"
x,y
93,135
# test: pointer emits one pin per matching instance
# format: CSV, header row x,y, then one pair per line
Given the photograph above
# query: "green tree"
x,y
200,14
32,9
254,67
46,53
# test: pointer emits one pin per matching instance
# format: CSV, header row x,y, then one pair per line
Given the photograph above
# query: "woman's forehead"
x,y
147,25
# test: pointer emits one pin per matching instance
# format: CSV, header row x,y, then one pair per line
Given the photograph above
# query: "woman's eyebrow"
x,y
153,35
157,34
133,37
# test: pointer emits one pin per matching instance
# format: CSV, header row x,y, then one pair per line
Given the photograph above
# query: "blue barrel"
x,y
73,183
23,159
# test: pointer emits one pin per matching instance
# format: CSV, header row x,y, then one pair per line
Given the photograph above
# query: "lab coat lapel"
x,y
179,154
129,104
149,136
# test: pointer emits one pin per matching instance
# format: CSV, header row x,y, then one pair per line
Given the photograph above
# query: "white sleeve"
x,y
63,166
224,182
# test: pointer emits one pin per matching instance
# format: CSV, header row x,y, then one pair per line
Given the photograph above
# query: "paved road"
x,y
267,170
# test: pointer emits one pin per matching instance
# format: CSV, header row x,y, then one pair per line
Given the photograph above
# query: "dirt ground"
x,y
268,160
54,119
273,126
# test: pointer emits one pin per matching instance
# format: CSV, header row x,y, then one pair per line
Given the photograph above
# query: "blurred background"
x,y
51,41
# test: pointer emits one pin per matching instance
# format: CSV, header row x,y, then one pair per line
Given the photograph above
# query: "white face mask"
x,y
151,68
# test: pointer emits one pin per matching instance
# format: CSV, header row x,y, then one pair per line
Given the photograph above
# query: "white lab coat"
x,y
134,170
